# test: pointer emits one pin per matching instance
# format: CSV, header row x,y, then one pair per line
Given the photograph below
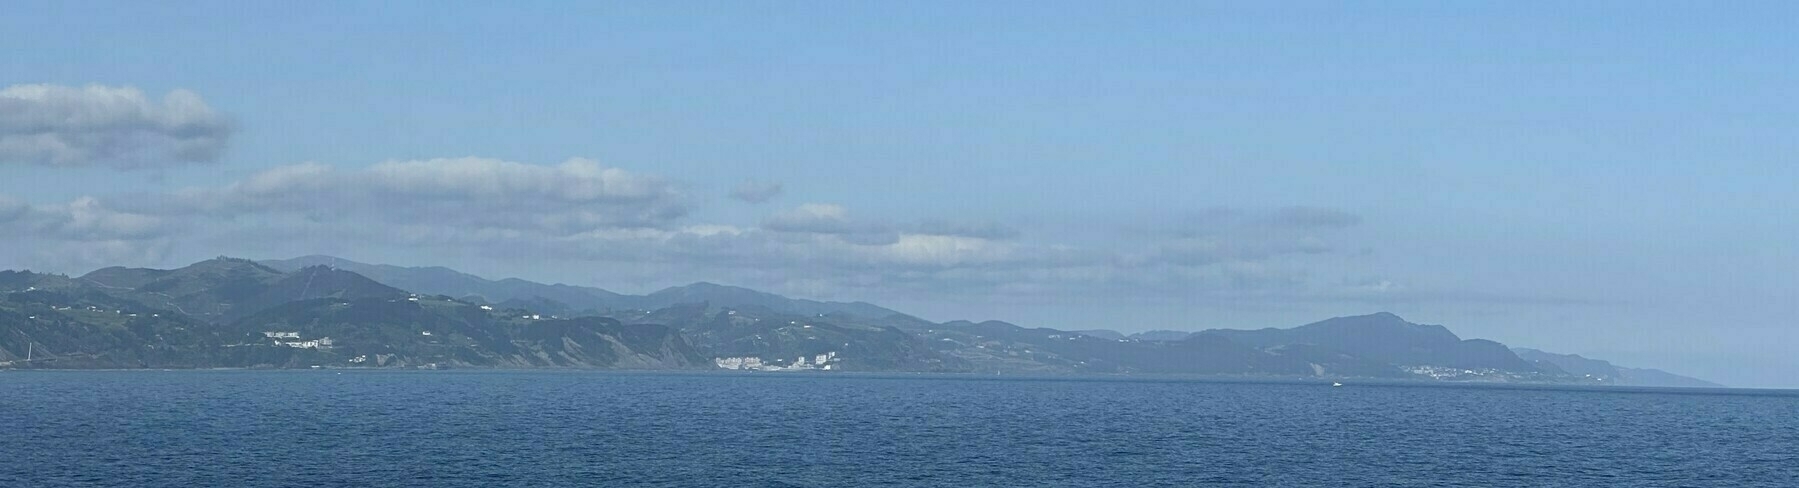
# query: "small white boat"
x,y
1335,384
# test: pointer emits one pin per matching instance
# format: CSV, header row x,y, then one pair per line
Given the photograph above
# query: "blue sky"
x,y
1599,178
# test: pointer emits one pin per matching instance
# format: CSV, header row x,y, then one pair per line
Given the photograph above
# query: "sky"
x,y
1611,179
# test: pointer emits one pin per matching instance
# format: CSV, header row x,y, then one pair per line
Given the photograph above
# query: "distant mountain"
x,y
19,280
438,280
201,277
732,296
235,313
1388,338
318,310
55,322
571,299
1605,372
1102,333
436,331
778,337
1002,346
1161,335
225,289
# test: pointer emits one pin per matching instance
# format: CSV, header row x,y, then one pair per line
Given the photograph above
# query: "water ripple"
x,y
518,429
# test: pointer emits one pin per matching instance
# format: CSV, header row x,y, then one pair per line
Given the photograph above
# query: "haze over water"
x,y
384,428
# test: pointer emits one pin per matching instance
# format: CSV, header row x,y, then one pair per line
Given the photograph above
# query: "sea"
x,y
324,428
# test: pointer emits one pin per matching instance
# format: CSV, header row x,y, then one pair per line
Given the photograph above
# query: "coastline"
x,y
1349,382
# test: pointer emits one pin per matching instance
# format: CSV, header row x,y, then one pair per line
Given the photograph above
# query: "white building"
x,y
319,343
746,362
801,363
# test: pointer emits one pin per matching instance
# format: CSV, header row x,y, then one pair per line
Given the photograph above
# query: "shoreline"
x,y
1288,380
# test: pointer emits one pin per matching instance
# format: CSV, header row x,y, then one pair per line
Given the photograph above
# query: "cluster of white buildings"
x,y
1444,373
378,359
819,362
319,343
745,362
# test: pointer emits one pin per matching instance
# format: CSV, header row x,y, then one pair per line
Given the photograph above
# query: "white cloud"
x,y
818,218
946,251
576,180
79,235
755,191
12,209
576,196
88,219
832,220
980,229
82,219
99,125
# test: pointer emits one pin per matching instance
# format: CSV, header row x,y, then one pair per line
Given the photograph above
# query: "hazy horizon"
x,y
1599,178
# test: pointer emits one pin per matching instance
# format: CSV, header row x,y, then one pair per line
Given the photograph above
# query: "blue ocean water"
x,y
381,428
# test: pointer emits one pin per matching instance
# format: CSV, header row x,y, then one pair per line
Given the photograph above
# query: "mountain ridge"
x,y
1387,337
1605,372
438,280
230,312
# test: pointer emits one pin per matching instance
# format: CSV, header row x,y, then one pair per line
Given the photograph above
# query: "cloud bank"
x,y
576,196
580,214
111,126
81,233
